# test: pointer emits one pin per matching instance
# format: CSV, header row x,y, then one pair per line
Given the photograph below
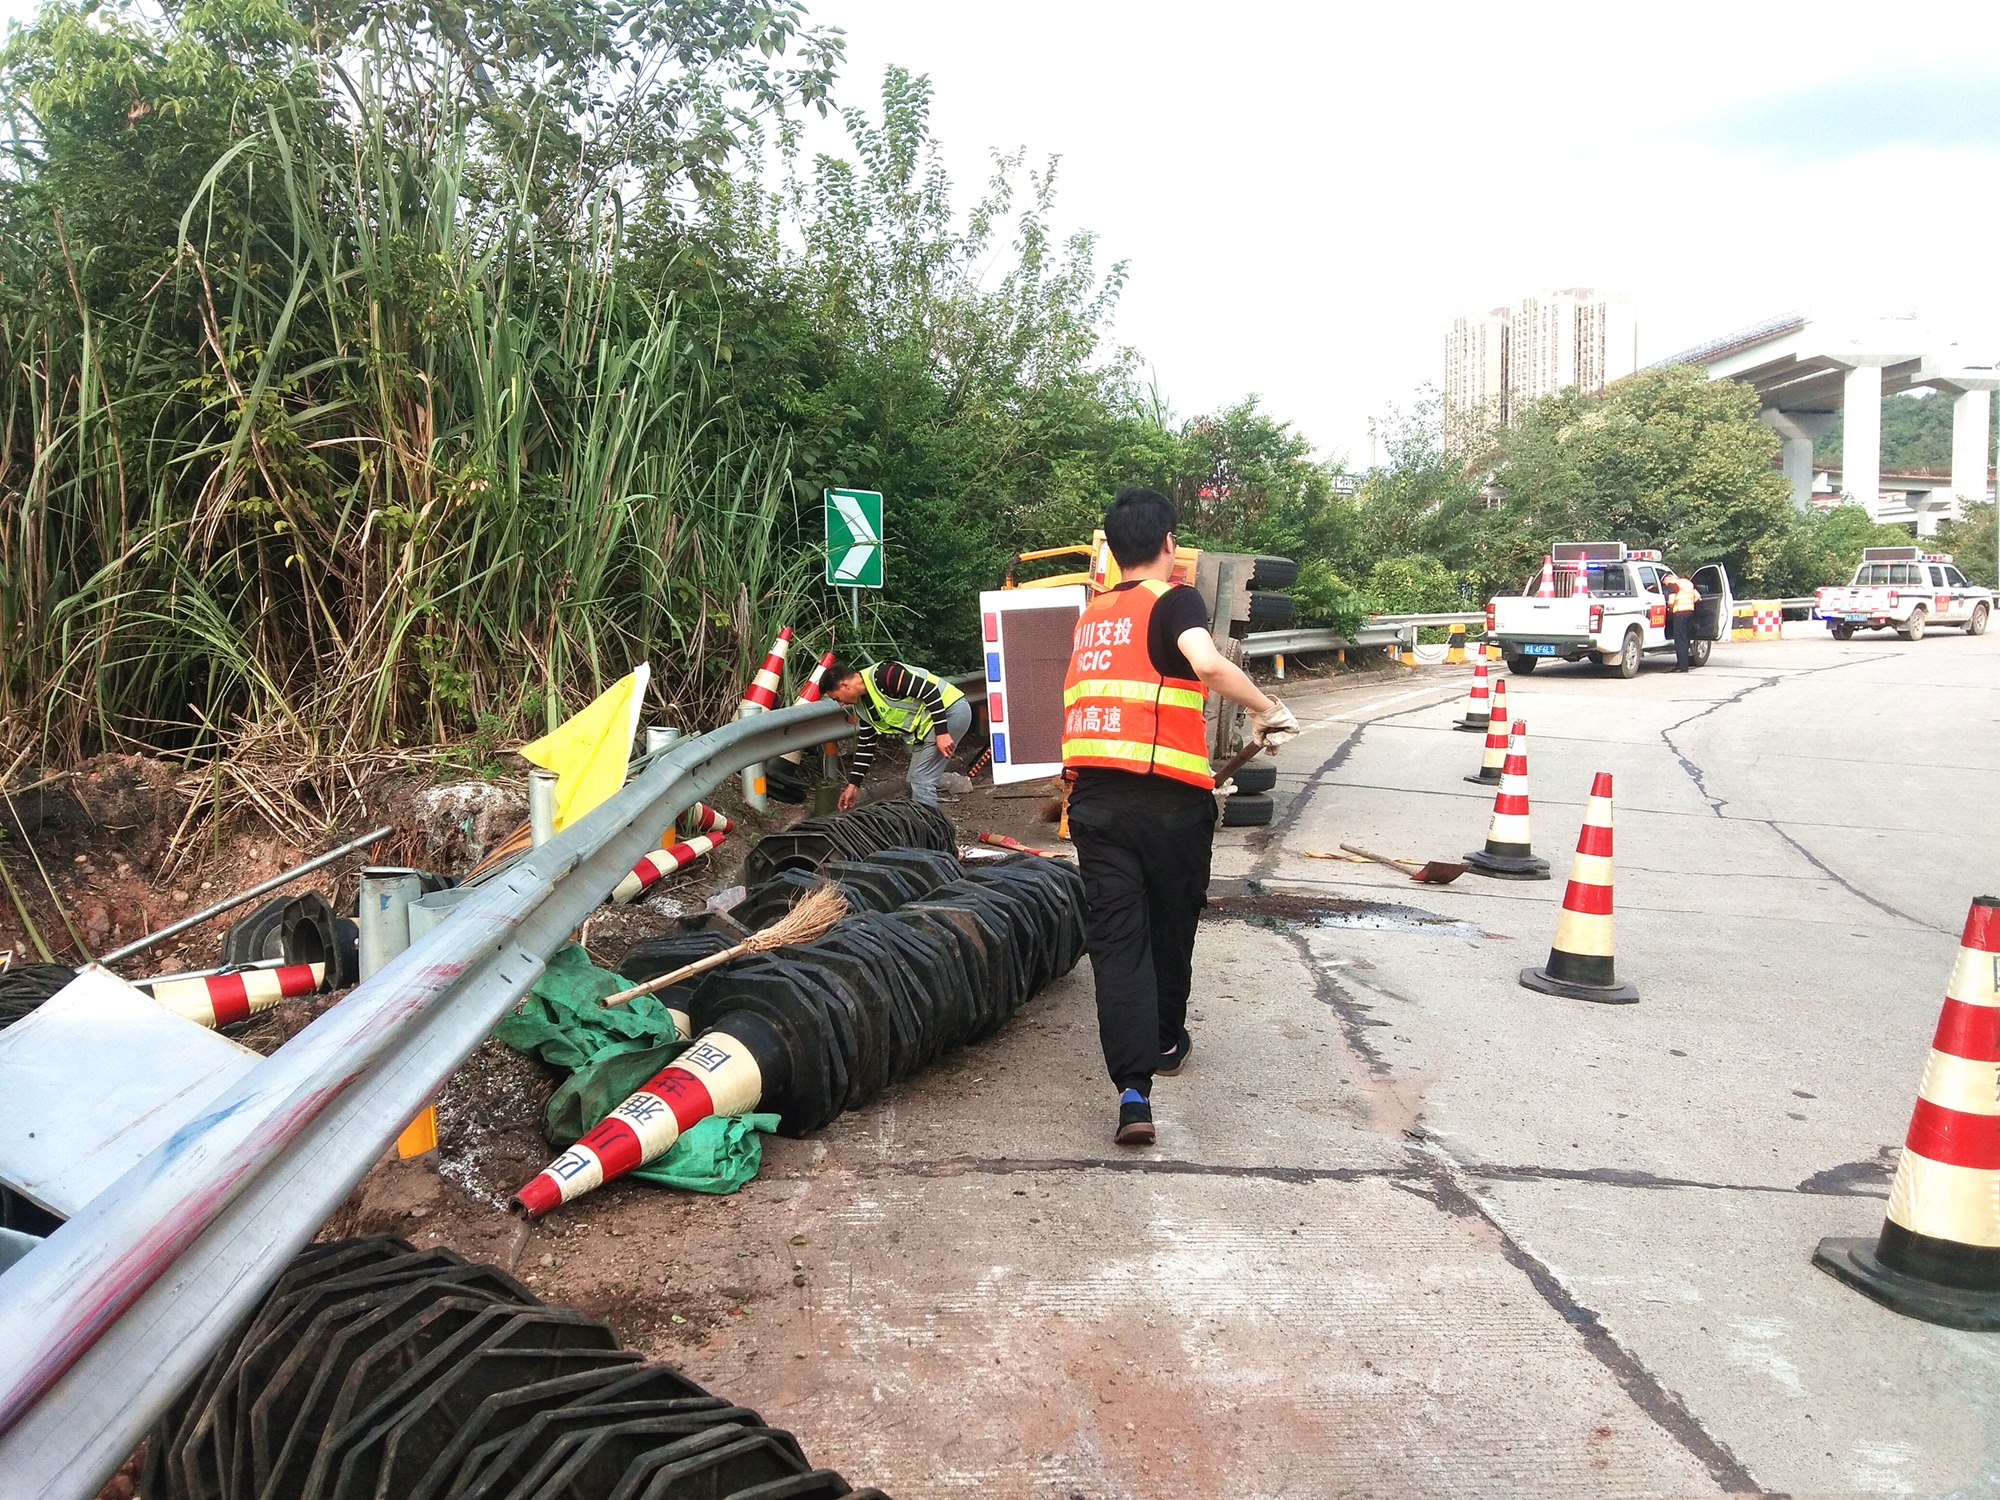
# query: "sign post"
x,y
854,543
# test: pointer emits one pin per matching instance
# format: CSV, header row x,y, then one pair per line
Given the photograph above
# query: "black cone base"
x,y
1855,1262
1508,866
1482,779
1604,994
1473,726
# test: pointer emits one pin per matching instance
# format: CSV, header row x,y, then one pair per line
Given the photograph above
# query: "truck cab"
x,y
1603,602
1907,590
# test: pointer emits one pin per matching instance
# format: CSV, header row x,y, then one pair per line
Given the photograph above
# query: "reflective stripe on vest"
x,y
1119,712
1684,591
905,716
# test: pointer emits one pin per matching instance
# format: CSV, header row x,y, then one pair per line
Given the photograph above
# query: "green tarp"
x,y
609,1052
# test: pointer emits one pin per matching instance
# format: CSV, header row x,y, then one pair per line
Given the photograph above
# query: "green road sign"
x,y
854,539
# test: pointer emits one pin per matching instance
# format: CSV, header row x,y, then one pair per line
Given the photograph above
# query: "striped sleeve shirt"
x,y
896,681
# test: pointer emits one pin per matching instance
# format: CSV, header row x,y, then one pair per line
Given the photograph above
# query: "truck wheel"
x,y
1246,810
1628,655
1698,652
1914,630
1274,573
1521,666
1842,632
1977,624
1256,777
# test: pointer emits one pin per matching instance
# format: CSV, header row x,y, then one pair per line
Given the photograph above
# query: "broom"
x,y
809,920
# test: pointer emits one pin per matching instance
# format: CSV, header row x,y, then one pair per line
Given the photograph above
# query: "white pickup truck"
x,y
1606,603
1906,590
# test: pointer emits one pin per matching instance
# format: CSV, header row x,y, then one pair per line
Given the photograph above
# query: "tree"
x,y
1970,541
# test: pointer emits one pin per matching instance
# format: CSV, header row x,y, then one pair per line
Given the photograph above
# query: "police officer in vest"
x,y
1682,596
1142,801
905,703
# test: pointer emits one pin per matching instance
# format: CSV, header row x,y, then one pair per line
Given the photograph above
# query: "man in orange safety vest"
x,y
1142,799
1682,596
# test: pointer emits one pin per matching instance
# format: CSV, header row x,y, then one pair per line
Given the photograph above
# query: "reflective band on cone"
x,y
660,863
1479,712
762,693
717,1075
1581,962
225,999
1938,1256
1508,854
1495,759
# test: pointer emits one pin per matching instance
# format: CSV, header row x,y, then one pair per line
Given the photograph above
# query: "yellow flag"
x,y
589,751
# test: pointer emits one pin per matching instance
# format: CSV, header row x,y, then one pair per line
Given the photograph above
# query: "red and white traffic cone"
x,y
1479,712
1938,1256
1581,963
1509,852
762,694
809,693
216,1000
1494,761
1547,588
717,1075
661,863
701,818
1580,588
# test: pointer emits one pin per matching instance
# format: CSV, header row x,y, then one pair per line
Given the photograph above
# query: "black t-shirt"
x,y
1101,796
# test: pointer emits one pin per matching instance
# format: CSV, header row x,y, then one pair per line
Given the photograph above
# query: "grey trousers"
x,y
927,761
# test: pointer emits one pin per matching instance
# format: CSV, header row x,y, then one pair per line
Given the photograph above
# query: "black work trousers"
x,y
1144,887
1682,624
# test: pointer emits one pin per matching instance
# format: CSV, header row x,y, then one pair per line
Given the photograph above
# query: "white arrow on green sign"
x,y
854,539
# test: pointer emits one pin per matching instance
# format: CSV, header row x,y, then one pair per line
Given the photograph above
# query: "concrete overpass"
x,y
1806,369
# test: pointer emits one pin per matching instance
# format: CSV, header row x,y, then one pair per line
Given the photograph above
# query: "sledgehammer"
x,y
1436,872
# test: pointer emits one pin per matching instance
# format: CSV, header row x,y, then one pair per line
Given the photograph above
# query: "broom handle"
x,y
685,971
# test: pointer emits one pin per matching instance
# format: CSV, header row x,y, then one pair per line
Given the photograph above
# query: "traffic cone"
x,y
719,1074
1479,712
1580,962
762,694
1508,854
1547,588
216,1000
1938,1256
811,691
701,818
662,862
1495,759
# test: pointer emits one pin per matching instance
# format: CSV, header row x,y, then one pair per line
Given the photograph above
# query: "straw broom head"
x,y
809,919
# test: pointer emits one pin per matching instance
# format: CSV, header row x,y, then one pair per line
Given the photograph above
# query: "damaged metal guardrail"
x,y
107,1319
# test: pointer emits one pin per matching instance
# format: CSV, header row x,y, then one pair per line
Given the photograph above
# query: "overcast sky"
x,y
1307,194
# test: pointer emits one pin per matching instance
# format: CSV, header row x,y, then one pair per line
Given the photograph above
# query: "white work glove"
x,y
1274,726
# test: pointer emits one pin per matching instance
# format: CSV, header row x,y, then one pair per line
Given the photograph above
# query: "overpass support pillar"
x,y
1797,429
1861,436
1969,418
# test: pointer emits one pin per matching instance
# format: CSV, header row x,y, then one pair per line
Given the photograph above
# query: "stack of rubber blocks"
x,y
373,1371
811,842
932,956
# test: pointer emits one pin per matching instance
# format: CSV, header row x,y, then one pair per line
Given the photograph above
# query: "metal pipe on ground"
x,y
119,1308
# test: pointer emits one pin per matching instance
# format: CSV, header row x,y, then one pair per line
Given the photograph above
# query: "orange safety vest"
x,y
1685,596
1119,712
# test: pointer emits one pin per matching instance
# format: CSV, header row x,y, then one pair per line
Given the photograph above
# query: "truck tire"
x,y
1521,666
1247,810
1255,777
1842,632
1274,573
1628,654
1977,624
1914,629
1698,652
1271,611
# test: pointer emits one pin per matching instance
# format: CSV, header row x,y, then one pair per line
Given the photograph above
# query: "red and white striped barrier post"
x,y
760,697
661,863
1938,1256
216,1000
1582,961
1494,760
1479,712
717,1075
1509,853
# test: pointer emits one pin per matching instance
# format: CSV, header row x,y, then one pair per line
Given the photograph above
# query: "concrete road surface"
x,y
1410,1228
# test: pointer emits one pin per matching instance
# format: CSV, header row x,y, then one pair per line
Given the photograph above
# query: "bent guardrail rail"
x,y
105,1321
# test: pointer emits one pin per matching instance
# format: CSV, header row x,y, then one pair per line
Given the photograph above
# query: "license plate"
x,y
1538,651
1857,619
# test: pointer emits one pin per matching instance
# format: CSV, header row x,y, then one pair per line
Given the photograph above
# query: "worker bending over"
x,y
905,703
1682,597
1142,796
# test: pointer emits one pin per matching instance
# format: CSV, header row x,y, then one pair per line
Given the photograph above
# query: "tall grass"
x,y
382,457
